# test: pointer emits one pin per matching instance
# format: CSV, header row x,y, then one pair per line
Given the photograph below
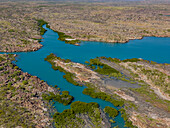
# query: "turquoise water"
x,y
150,48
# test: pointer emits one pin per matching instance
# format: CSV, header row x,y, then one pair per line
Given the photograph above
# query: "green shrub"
x,y
1,59
67,117
102,95
128,123
40,24
16,67
111,111
6,72
1,68
25,82
11,30
63,36
17,78
64,98
102,68
132,60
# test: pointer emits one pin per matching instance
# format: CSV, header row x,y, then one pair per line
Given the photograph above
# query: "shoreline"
x,y
140,38
123,42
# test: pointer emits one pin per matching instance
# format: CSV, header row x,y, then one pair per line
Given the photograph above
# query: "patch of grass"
x,y
103,96
111,111
102,68
64,98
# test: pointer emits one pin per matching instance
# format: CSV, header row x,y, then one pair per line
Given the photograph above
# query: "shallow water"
x,y
150,48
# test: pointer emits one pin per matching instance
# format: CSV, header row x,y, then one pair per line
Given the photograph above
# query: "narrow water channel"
x,y
150,48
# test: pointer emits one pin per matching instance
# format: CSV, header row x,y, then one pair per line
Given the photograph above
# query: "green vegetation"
x,y
1,58
96,61
102,68
63,37
159,79
81,107
151,97
25,41
103,96
106,70
17,97
12,115
111,111
11,30
118,60
112,121
132,60
71,117
68,76
128,123
52,57
112,59
25,82
40,24
64,98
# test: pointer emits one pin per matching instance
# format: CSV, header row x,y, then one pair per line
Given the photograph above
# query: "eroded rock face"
x,y
25,91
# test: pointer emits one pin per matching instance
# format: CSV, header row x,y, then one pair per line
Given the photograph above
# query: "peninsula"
x,y
148,86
